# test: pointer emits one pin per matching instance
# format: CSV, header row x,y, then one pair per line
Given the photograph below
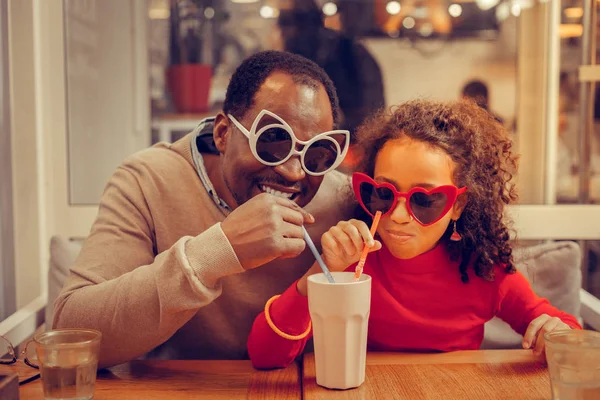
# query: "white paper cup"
x,y
340,315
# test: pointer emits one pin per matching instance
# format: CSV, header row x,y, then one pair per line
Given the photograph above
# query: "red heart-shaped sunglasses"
x,y
425,206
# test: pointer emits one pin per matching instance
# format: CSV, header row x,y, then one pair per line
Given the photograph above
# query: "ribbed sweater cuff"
x,y
211,256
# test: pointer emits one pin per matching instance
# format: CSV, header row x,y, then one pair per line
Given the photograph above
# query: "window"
x,y
7,266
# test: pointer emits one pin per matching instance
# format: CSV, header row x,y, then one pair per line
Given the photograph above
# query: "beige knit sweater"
x,y
157,275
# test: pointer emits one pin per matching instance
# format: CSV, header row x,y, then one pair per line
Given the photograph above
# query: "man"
x,y
477,91
192,238
353,70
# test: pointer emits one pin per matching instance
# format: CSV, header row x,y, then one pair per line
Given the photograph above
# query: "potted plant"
x,y
189,75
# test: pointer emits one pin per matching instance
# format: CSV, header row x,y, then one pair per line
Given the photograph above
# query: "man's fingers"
x,y
289,230
292,247
292,216
532,330
308,217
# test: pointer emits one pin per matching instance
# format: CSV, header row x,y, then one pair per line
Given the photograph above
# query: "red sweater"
x,y
419,304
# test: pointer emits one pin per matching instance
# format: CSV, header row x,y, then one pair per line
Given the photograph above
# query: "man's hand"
x,y
534,336
265,228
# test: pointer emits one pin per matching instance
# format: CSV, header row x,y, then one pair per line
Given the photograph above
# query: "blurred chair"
x,y
553,268
63,253
554,271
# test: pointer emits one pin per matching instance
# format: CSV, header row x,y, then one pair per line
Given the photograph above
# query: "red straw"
x,y
365,252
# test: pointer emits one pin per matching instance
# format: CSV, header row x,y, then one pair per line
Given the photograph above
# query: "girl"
x,y
442,264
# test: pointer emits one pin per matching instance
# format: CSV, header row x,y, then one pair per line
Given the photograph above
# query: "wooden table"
x,y
190,379
488,375
482,374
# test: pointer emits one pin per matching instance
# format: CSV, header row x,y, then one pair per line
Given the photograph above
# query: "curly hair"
x,y
252,73
481,150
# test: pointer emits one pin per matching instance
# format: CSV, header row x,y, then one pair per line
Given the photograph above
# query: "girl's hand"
x,y
343,244
534,336
342,247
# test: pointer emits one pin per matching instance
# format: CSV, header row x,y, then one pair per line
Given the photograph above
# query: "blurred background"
x,y
85,83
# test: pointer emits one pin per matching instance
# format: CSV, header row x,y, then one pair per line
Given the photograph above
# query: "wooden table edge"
x,y
456,357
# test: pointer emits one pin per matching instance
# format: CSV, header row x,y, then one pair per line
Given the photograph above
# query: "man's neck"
x,y
212,163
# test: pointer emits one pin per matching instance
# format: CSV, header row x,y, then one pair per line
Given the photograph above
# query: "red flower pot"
x,y
190,86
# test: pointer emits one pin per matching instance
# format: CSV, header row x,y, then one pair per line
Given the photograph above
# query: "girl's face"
x,y
407,163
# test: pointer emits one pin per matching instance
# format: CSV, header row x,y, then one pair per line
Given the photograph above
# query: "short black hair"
x,y
252,73
478,91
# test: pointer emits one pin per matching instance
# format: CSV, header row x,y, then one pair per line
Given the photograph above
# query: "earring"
x,y
455,237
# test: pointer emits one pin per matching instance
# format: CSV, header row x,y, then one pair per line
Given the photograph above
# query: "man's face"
x,y
308,111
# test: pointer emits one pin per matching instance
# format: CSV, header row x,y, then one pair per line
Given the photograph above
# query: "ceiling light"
x,y
426,30
524,4
209,13
393,8
330,9
455,10
502,12
515,10
421,12
408,23
486,4
268,12
574,12
159,13
570,30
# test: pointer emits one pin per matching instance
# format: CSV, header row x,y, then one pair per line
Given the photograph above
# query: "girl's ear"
x,y
459,206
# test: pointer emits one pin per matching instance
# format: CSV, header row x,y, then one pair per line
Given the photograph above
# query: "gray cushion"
x,y
63,253
554,270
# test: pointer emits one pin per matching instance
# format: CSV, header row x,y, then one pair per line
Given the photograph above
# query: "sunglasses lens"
x,y
340,138
376,199
274,145
428,208
320,156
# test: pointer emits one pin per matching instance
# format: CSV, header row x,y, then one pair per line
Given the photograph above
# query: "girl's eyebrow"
x,y
393,182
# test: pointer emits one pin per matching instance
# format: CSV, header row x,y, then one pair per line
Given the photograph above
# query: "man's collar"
x,y
204,136
202,142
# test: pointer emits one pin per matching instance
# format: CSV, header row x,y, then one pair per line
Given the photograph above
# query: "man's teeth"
x,y
270,190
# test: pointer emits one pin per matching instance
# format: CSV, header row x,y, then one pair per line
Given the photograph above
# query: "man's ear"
x,y
459,206
221,132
